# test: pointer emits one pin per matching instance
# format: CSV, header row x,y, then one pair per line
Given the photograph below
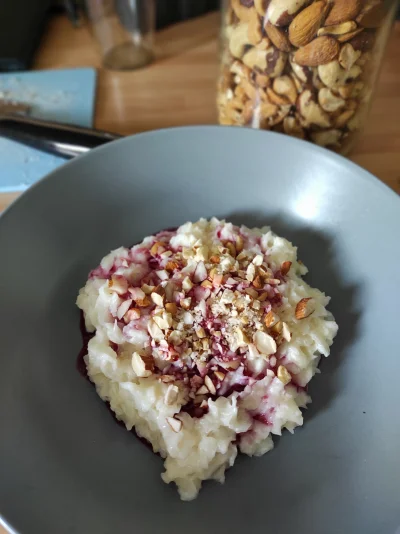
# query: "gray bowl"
x,y
67,467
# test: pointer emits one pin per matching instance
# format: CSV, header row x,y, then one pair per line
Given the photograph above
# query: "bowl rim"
x,y
234,130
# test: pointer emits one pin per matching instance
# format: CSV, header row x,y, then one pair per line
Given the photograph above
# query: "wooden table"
x,y
179,88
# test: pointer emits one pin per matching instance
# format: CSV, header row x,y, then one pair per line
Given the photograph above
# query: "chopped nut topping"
x,y
162,274
200,332
185,303
258,260
171,307
284,375
277,327
265,344
137,293
161,322
143,303
257,282
155,331
167,378
286,332
274,281
285,267
200,273
252,292
232,249
171,266
154,249
239,244
139,366
215,259
241,338
209,311
166,254
270,319
217,280
250,272
187,284
157,299
302,309
263,296
147,290
132,315
171,395
219,375
118,284
232,364
175,424
209,383
122,310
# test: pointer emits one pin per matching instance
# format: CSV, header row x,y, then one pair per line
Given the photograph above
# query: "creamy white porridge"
x,y
205,339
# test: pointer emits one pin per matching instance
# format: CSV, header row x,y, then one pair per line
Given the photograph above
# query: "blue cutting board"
x,y
60,95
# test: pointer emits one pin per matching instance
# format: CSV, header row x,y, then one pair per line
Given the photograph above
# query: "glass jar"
x,y
124,30
302,68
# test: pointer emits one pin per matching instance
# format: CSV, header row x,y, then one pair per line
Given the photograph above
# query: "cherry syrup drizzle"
x,y
86,337
190,407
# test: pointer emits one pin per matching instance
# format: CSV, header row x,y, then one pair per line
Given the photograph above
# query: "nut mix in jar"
x,y
303,68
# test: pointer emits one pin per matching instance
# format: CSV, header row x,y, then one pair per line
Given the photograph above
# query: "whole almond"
x,y
278,37
306,24
320,51
343,10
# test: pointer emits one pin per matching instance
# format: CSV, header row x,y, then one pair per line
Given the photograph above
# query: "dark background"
x,y
170,11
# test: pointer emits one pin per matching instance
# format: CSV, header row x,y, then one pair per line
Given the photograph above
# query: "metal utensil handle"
x,y
62,140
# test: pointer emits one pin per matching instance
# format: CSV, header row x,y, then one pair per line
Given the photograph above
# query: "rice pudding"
x,y
205,339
